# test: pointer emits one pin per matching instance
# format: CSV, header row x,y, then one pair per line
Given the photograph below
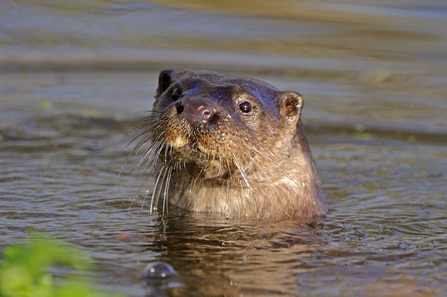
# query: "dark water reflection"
x,y
73,77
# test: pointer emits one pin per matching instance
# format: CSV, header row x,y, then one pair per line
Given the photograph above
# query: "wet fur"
x,y
258,166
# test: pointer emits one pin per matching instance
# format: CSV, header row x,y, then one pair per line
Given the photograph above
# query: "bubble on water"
x,y
157,270
94,146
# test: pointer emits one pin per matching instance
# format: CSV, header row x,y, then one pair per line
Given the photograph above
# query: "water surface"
x,y
74,76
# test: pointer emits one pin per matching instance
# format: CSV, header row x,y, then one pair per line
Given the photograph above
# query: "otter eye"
x,y
176,94
245,107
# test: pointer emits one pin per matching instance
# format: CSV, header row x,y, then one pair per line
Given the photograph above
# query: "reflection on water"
x,y
75,75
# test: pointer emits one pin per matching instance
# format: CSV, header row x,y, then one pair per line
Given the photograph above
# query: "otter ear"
x,y
290,106
164,81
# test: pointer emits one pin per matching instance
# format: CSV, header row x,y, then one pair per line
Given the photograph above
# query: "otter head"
x,y
214,125
219,140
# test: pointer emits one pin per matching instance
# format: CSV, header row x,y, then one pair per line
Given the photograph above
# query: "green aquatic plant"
x,y
25,270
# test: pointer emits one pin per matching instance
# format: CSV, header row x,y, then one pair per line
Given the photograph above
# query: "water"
x,y
74,76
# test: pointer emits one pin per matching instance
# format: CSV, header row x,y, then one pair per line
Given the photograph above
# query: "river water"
x,y
75,75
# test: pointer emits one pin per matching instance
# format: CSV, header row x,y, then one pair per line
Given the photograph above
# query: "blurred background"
x,y
380,66
74,75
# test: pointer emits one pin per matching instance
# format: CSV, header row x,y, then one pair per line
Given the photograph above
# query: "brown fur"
x,y
255,164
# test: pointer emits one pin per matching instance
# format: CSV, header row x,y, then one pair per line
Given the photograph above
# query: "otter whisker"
x,y
229,168
155,192
241,170
158,152
149,154
147,161
138,192
144,199
167,183
126,160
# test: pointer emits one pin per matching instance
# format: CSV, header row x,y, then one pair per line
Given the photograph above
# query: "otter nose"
x,y
196,110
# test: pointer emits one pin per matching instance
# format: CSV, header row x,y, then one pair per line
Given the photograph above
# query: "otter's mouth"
x,y
190,152
190,146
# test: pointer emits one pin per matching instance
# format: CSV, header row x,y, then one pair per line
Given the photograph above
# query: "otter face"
x,y
211,123
214,125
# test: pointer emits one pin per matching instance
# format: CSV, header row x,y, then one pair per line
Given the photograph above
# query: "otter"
x,y
231,145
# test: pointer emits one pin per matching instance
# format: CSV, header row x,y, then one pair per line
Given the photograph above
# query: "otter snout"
x,y
196,110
